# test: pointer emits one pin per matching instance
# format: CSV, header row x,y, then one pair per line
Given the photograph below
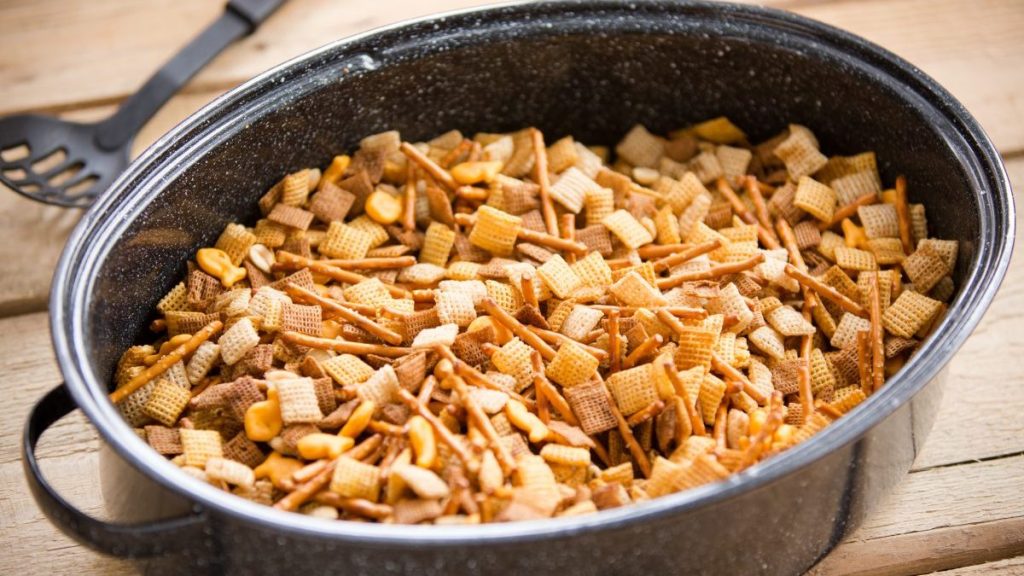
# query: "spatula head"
x,y
55,161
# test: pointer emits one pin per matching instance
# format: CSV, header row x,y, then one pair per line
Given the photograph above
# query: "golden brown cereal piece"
x,y
925,267
633,389
354,479
815,198
235,240
855,259
799,151
166,402
879,221
299,403
198,446
495,231
559,277
571,190
592,406
640,148
909,313
627,229
437,244
344,241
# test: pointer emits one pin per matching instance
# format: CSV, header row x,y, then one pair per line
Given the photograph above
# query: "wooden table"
x,y
959,511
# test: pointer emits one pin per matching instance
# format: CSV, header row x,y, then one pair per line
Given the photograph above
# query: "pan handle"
x,y
125,540
240,18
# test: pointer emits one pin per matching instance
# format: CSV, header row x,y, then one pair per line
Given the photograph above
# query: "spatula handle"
x,y
240,18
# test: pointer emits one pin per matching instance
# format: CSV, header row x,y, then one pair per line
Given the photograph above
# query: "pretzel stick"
x,y
499,314
718,431
712,273
849,210
753,452
686,255
568,232
753,189
423,397
475,376
825,290
789,242
671,321
696,422
828,410
440,429
552,337
677,311
543,412
385,334
804,373
627,434
864,360
613,340
646,413
732,373
526,287
903,215
429,166
642,351
534,237
345,346
370,263
409,209
305,491
877,351
649,251
476,413
562,244
545,388
165,362
540,166
740,209
289,261
357,506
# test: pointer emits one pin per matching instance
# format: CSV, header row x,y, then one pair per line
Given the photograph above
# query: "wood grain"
x,y
1008,567
968,53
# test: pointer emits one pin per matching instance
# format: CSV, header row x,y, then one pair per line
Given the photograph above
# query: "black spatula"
x,y
69,163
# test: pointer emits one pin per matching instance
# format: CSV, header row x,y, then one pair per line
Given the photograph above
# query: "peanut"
x,y
262,257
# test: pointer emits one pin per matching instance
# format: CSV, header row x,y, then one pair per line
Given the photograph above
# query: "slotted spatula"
x,y
70,163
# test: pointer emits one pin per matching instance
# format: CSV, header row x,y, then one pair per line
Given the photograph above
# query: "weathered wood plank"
x,y
972,424
968,52
918,552
1008,567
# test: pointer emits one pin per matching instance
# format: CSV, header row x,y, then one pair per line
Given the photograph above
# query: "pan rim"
x,y
70,291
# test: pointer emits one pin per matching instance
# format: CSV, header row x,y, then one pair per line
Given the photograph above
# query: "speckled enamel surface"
x,y
591,69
